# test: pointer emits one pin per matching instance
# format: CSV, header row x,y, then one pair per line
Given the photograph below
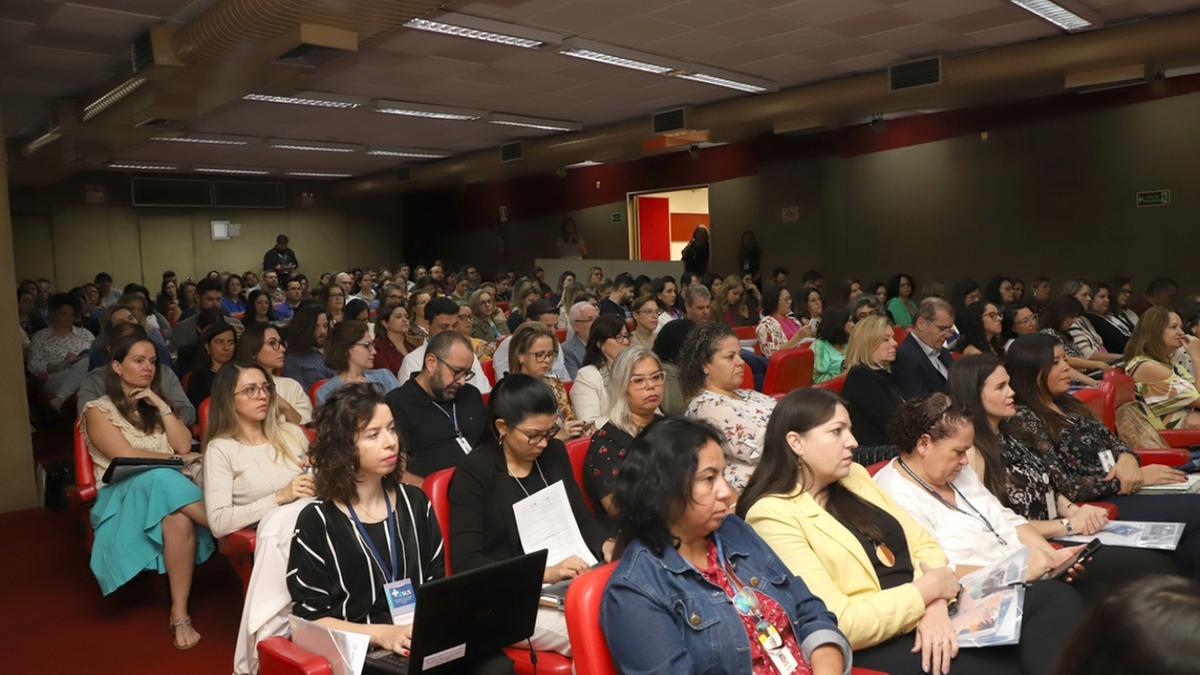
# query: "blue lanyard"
x,y
454,419
392,538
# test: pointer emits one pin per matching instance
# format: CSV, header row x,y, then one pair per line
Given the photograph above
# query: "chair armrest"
x,y
1180,438
1113,512
81,496
279,656
1168,456
238,543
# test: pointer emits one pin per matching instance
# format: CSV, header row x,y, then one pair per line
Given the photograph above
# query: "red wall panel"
x,y
654,224
683,224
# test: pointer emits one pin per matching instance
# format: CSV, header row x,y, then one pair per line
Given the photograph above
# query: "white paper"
x,y
1192,484
445,656
345,651
545,521
990,606
1134,534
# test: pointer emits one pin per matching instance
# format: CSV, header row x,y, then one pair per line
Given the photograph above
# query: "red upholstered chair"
x,y
1180,438
561,334
745,333
202,421
1094,399
489,371
312,391
279,656
899,334
588,645
81,495
238,547
747,377
567,385
1123,386
577,449
788,369
835,385
1168,456
874,468
1124,391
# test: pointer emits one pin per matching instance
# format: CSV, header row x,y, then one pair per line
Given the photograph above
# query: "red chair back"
x,y
835,385
489,371
874,468
81,495
577,450
747,377
589,649
561,334
437,489
202,419
312,391
1123,387
1109,417
745,333
788,369
899,334
1094,399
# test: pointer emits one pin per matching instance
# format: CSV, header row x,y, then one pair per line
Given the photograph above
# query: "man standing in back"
x,y
281,260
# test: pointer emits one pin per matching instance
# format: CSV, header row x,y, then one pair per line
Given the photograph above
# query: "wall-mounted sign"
x,y
1147,198
615,217
790,214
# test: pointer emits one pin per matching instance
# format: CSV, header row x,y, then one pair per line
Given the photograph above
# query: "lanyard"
x,y
392,537
928,488
520,485
453,419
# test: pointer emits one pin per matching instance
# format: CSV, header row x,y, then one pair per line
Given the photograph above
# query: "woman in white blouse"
x,y
711,372
255,460
589,393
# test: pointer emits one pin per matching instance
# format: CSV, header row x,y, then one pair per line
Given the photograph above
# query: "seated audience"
x,y
823,516
1113,332
351,354
419,328
526,293
218,343
964,294
92,387
729,305
811,306
60,352
153,520
232,300
829,349
1182,359
366,290
333,299
572,293
392,336
589,393
441,314
712,372
595,278
697,303
488,322
667,347
1119,316
867,305
900,305
1166,392
262,344
307,334
254,459
1147,626
999,292
357,310
208,296
778,329
259,308
618,297
1060,314
544,312
531,351
680,543
636,389
1086,461
565,279
872,390
973,528
292,295
185,361
582,315
666,292
922,360
645,321
1019,319
365,524
1082,332
525,458
980,326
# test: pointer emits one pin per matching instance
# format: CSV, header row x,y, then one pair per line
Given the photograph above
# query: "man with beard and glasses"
x,y
439,413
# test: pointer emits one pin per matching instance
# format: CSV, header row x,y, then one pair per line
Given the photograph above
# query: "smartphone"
x,y
1088,550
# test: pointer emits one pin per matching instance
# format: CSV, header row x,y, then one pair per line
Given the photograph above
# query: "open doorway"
x,y
662,222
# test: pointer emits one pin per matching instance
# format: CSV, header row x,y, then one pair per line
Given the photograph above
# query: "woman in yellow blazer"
x,y
882,574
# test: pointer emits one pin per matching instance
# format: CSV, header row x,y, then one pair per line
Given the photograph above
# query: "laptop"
x,y
466,615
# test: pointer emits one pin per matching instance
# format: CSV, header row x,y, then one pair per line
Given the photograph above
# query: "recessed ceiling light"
x,y
614,60
428,111
415,153
202,140
473,33
1054,13
234,172
311,146
112,96
533,122
319,174
141,166
44,139
308,98
584,164
705,78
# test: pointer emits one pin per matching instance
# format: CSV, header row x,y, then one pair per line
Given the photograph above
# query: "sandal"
x,y
184,626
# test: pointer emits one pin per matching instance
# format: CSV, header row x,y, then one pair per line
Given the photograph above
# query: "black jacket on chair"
x,y
915,372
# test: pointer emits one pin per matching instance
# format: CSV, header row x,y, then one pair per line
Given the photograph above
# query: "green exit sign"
x,y
1153,198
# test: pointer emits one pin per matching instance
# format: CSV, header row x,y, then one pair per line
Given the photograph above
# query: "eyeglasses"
x,y
1032,318
622,338
651,311
254,390
276,344
537,437
463,374
648,381
991,315
587,320
543,356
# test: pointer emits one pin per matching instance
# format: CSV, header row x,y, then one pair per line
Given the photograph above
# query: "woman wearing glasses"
x,y
980,326
255,459
351,354
635,390
645,322
524,459
532,351
589,394
333,299
263,345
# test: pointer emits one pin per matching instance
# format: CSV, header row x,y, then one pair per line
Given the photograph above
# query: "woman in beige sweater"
x,y
255,460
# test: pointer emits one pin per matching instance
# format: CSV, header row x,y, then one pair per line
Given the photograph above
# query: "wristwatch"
x,y
1066,522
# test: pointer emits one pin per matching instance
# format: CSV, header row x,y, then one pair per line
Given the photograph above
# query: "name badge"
x,y
402,601
777,651
462,443
1051,506
1106,460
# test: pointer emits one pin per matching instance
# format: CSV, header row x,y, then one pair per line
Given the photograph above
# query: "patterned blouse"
x,y
47,348
565,411
1166,403
1085,338
743,423
1027,481
605,454
772,335
1072,459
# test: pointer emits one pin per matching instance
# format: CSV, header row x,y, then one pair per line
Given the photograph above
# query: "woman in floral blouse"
x,y
778,329
711,370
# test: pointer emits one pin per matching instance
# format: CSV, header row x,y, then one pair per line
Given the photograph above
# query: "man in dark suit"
x,y
922,360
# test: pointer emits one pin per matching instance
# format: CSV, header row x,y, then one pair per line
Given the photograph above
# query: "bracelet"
x,y
1066,522
168,411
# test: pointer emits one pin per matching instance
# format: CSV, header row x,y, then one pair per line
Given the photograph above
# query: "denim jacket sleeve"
x,y
642,634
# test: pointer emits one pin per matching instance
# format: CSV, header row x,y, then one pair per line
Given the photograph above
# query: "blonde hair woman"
x,y
871,389
487,320
1165,391
532,351
255,459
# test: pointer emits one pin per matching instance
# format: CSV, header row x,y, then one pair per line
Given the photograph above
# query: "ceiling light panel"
x,y
312,146
435,112
619,56
318,174
141,166
715,80
412,153
232,171
486,30
314,99
539,123
204,139
1054,13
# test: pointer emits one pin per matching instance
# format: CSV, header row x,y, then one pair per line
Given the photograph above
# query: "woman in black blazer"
x,y
525,459
871,389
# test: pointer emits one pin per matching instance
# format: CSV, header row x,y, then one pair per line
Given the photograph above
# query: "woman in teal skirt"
x,y
154,520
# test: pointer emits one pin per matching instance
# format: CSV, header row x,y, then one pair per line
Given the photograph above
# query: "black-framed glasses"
x,y
537,437
463,374
276,344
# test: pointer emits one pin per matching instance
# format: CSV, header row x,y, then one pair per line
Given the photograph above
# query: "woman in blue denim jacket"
x,y
696,590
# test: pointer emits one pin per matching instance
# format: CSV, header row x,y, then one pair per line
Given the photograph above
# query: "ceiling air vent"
x,y
921,73
666,121
511,152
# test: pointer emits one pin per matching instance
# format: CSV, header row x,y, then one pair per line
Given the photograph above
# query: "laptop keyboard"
x,y
386,660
